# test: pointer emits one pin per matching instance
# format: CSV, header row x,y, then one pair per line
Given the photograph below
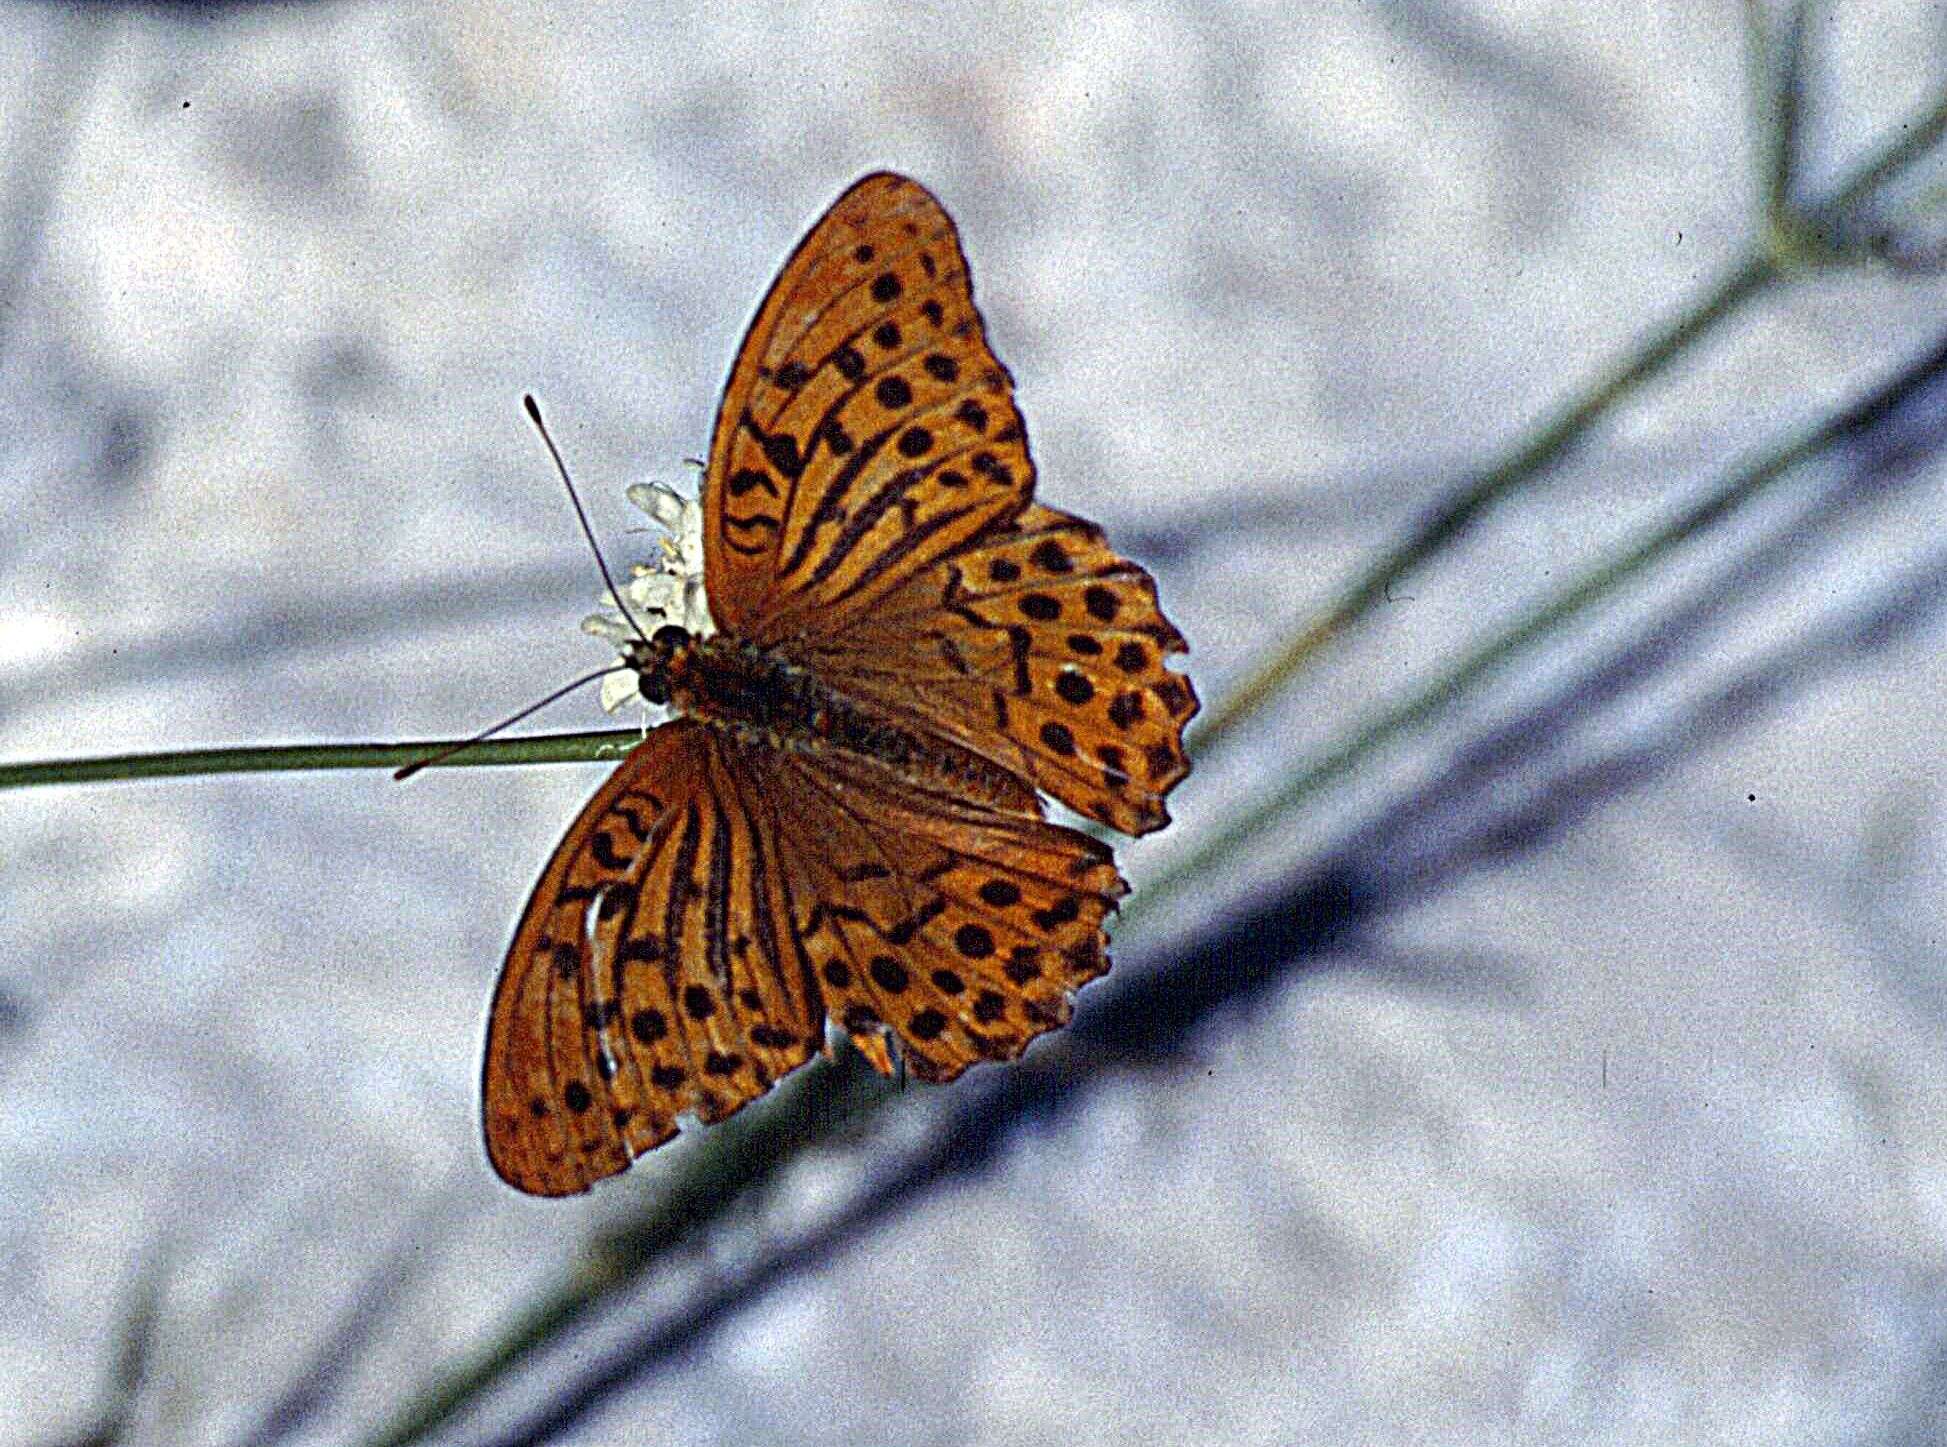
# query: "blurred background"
x,y
1566,1067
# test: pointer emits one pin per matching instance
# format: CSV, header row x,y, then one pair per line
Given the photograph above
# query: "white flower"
x,y
667,591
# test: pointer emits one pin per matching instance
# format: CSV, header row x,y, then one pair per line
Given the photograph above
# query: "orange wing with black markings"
x,y
656,971
1038,647
715,902
867,427
955,928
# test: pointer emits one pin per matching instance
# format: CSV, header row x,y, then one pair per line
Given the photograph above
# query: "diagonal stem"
x,y
1545,621
1762,266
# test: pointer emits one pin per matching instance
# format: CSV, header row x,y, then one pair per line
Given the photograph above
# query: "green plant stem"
x,y
750,1148
1741,488
754,1146
695,1192
1769,260
1451,520
122,768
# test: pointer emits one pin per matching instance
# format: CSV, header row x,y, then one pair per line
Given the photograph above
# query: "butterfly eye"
x,y
653,685
670,637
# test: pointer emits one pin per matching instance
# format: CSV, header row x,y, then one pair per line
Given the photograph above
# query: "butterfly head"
x,y
654,660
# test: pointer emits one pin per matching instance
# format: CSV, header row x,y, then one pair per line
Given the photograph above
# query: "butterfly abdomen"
x,y
749,690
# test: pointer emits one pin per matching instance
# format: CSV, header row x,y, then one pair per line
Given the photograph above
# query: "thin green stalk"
x,y
750,1148
1761,96
1739,489
1916,138
1759,269
755,1145
183,763
1777,67
1543,447
1763,264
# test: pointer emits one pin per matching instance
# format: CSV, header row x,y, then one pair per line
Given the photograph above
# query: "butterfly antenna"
x,y
534,415
401,775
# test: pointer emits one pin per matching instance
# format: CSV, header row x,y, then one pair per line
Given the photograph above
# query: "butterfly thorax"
x,y
750,691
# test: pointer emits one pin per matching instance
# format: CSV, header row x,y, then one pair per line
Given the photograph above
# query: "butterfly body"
x,y
758,696
845,825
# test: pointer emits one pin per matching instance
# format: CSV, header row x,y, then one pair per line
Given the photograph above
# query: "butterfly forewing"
x,y
1038,647
652,974
717,900
866,429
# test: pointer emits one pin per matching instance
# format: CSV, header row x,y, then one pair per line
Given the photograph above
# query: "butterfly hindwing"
x,y
960,928
867,427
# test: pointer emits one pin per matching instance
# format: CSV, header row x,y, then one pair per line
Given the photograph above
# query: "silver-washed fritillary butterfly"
x,y
845,820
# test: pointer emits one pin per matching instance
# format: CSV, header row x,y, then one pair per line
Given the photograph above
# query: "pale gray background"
x,y
1637,1137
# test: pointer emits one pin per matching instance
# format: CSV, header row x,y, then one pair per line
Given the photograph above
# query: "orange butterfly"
x,y
845,821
